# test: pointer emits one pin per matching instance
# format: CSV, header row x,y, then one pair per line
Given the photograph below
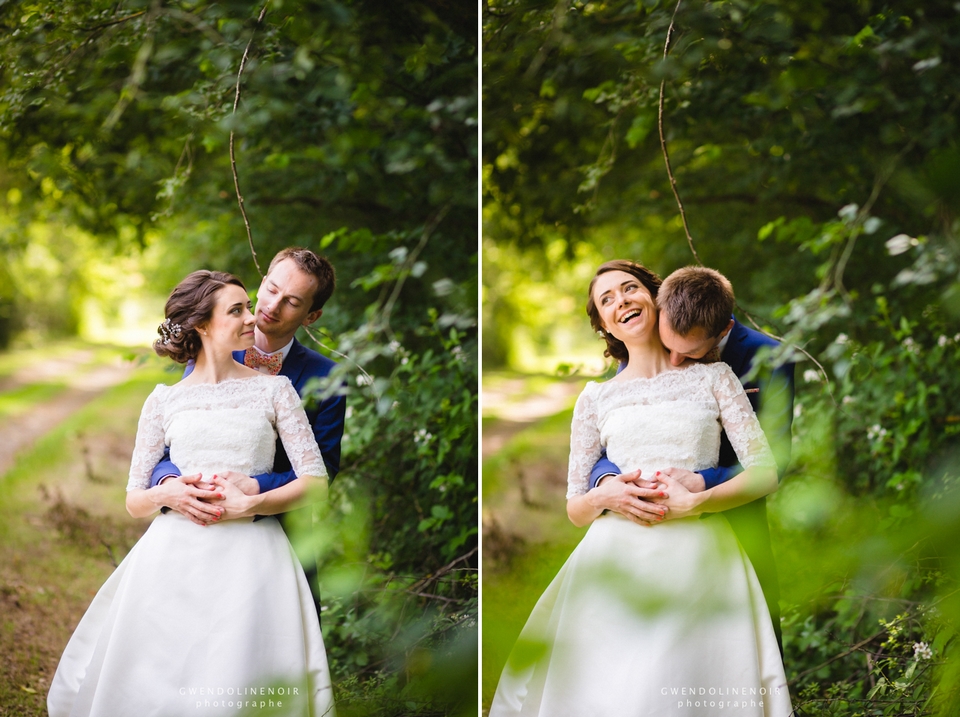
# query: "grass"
x,y
12,361
508,598
21,399
62,528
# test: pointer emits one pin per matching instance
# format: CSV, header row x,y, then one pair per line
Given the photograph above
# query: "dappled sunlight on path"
x,y
83,383
515,408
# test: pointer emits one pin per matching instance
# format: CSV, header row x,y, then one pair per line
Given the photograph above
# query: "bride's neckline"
x,y
668,372
219,383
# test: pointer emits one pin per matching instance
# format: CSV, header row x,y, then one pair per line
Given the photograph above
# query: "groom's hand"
x,y
246,484
233,503
693,482
630,496
680,501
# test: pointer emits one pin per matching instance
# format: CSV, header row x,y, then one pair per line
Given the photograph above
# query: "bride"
x,y
207,620
663,620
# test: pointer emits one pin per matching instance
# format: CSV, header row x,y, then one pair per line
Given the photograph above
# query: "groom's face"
x,y
694,345
284,299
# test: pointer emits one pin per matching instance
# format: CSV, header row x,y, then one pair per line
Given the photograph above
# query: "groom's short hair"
x,y
317,266
696,297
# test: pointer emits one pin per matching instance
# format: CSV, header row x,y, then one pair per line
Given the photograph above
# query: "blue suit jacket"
x,y
326,418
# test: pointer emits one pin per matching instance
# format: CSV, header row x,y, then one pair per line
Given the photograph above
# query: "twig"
x,y
841,655
663,142
428,229
432,597
113,22
559,14
215,37
442,571
233,154
132,86
823,371
318,342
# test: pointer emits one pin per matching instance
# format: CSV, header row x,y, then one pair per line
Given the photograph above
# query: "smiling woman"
x,y
626,276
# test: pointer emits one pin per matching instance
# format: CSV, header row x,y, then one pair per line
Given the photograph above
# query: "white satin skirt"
x,y
666,621
203,621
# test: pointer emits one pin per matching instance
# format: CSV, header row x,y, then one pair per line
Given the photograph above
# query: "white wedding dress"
x,y
661,621
209,620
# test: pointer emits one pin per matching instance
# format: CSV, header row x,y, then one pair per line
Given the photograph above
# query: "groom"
x,y
696,309
292,294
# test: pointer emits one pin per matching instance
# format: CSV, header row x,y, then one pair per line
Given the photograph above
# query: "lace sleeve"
x,y
739,420
150,443
295,432
585,447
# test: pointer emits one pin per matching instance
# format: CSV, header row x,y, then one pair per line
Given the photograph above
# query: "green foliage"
x,y
398,549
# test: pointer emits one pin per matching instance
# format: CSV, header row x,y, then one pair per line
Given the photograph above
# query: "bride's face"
x,y
231,324
626,308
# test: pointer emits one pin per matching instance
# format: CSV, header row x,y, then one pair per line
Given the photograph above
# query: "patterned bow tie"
x,y
254,358
712,356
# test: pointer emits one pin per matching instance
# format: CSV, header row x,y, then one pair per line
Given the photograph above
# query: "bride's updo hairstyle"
x,y
616,349
190,305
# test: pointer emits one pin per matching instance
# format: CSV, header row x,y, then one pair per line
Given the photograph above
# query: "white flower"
x,y
842,339
899,244
942,341
422,436
876,431
810,375
797,410
922,651
847,399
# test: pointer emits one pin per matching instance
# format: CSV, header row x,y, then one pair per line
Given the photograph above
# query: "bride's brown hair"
x,y
615,347
190,305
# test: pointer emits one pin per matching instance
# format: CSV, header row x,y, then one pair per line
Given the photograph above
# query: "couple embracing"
x,y
210,613
659,611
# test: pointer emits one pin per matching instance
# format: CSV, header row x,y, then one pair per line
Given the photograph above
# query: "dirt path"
x,y
524,411
20,432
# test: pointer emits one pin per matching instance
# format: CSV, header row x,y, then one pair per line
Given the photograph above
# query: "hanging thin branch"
x,y
233,154
663,141
683,213
316,339
138,73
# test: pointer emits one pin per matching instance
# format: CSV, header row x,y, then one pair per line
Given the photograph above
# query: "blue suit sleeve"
x,y
603,467
269,481
164,468
712,477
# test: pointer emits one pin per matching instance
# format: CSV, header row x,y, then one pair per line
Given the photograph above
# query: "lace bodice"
x,y
232,425
671,420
